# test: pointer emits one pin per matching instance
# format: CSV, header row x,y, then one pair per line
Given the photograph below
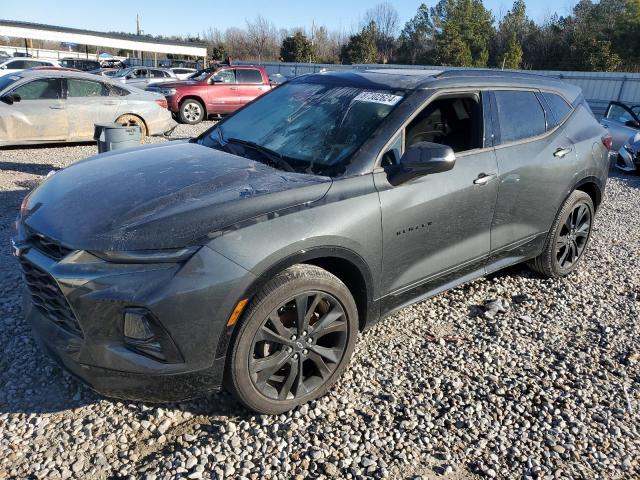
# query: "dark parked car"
x,y
623,124
253,255
80,64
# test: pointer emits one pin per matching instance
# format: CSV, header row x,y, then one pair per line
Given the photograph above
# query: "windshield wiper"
x,y
271,155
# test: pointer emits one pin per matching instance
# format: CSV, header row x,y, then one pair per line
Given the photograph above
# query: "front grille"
x,y
49,247
49,299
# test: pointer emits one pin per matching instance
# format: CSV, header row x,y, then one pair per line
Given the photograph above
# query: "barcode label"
x,y
376,97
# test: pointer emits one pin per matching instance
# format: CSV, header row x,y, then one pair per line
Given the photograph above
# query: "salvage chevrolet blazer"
x,y
254,255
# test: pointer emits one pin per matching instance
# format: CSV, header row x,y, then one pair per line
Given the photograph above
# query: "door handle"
x,y
233,88
56,107
604,125
484,178
561,152
110,103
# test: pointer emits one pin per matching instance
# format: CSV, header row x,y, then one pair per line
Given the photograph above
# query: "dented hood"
x,y
163,196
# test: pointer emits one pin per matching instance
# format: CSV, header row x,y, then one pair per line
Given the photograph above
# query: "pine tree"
x,y
361,47
296,48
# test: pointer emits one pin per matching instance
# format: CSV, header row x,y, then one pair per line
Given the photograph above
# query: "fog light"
x,y
144,334
136,326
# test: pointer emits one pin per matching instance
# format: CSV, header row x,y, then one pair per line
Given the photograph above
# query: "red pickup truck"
x,y
214,91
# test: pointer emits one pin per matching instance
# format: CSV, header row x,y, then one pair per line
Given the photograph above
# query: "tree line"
x,y
602,36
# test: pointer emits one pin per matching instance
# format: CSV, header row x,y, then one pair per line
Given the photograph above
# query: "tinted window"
x,y
17,64
117,91
43,89
85,88
520,115
7,80
249,75
559,108
157,74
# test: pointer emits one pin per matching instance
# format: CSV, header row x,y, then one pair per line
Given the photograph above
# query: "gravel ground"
x,y
512,376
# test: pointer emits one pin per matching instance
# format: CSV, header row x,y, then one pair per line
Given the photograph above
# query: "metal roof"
x,y
36,31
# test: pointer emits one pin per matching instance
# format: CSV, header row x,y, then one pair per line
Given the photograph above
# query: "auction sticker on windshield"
x,y
377,97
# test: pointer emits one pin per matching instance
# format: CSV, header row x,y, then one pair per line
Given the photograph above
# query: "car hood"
x,y
161,196
177,83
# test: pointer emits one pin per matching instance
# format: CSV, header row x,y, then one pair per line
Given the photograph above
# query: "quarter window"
x,y
42,89
249,75
560,109
85,88
520,115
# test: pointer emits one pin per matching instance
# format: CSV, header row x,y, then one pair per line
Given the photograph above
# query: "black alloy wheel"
x,y
573,236
294,340
299,346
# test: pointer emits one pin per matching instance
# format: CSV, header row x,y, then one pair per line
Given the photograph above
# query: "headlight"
x,y
168,91
172,255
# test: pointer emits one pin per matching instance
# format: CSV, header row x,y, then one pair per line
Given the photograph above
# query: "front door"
x,y
41,114
436,228
621,122
223,92
88,102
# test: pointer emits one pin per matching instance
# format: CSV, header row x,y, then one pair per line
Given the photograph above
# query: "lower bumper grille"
x,y
49,299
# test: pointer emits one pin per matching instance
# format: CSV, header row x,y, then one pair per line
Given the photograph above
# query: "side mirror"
x,y
422,158
632,124
10,98
3,67
217,79
129,77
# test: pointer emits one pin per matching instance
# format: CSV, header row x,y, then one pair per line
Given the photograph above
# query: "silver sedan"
x,y
45,106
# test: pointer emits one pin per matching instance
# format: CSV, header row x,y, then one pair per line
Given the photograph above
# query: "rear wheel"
x,y
191,111
568,237
294,342
130,120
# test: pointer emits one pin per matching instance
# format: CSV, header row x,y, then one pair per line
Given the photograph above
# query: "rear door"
x,y
250,84
536,162
621,122
223,91
88,102
40,115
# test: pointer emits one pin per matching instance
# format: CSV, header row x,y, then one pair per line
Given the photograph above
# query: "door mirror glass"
x,y
217,79
422,158
10,98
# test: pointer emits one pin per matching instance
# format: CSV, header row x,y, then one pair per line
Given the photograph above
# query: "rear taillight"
x,y
607,141
162,102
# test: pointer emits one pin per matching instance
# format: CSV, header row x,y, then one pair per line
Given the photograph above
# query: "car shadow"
x,y
38,146
630,179
30,168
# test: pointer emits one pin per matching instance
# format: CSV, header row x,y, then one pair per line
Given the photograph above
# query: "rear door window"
x,y
560,109
619,113
520,115
41,89
17,64
249,75
85,88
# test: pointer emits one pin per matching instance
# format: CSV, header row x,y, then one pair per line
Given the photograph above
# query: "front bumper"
x,y
190,304
626,161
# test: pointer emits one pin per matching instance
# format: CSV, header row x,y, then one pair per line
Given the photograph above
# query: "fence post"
x,y
624,79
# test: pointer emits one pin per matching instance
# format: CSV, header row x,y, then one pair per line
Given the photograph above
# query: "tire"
x,y
262,372
191,111
573,230
131,120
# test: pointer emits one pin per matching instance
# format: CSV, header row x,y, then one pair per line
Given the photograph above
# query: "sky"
x,y
190,17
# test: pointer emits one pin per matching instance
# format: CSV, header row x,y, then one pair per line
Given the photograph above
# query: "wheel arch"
x,y
199,99
137,115
593,187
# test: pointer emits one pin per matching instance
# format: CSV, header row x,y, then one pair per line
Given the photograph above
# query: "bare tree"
x,y
387,21
263,38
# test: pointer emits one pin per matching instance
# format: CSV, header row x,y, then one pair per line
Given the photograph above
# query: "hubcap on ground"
x,y
192,112
298,346
573,236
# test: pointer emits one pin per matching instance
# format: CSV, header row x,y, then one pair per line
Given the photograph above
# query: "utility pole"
x,y
138,31
313,27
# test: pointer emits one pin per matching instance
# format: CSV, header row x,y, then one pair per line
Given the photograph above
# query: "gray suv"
x,y
254,255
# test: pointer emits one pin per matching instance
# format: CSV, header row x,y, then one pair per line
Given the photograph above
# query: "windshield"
x,y
314,127
8,80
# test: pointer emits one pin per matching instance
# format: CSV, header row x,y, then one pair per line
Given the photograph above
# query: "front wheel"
x,y
294,341
191,112
568,237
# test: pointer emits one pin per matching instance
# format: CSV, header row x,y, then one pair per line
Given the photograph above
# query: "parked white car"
x,y
142,76
14,65
183,73
46,106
